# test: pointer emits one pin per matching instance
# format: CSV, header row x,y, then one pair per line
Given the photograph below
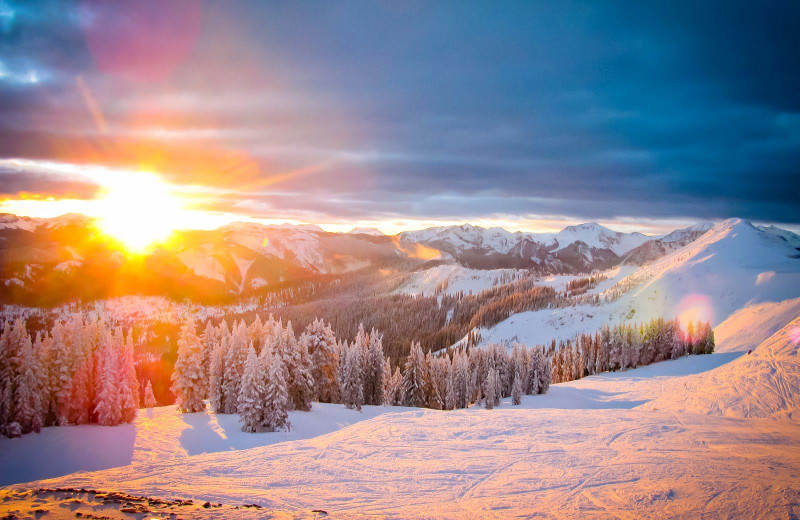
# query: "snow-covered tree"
x,y
28,405
387,383
188,381
516,387
128,383
216,389
108,408
149,398
491,399
414,377
302,387
276,395
352,390
252,395
324,360
373,374
235,358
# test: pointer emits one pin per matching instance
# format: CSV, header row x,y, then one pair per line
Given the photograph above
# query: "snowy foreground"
x,y
666,440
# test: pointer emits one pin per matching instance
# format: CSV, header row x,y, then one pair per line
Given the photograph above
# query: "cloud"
x,y
440,110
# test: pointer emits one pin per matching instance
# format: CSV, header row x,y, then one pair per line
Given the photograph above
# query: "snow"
x,y
751,325
457,279
203,264
157,435
679,439
595,235
466,236
367,231
301,242
499,463
709,279
765,383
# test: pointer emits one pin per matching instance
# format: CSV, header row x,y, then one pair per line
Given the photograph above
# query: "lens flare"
x,y
694,307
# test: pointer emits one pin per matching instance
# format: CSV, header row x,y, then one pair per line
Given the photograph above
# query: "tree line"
x,y
80,371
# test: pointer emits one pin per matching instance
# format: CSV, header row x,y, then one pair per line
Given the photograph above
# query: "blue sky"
x,y
453,111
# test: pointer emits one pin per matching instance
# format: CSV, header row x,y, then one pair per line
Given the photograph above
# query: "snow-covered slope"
x,y
764,383
749,326
497,464
793,239
731,266
594,235
660,246
157,435
452,279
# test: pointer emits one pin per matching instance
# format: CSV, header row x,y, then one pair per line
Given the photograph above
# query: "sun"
x,y
138,210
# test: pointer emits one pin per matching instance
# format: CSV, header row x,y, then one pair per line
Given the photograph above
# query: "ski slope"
x,y
157,435
496,463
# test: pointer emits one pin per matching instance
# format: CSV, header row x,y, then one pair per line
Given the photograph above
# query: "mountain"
x,y
367,231
731,266
47,261
793,239
575,249
596,237
658,247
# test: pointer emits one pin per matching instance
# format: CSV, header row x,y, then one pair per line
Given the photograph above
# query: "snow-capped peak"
x,y
366,231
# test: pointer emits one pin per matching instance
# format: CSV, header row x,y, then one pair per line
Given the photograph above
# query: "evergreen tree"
x,y
128,383
491,399
276,394
28,406
414,378
149,398
187,379
324,361
302,390
234,367
108,406
373,377
516,388
387,383
252,395
216,392
352,391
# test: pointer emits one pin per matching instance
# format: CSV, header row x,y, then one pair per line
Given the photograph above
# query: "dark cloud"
x,y
436,109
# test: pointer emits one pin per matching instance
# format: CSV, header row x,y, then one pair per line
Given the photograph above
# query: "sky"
x,y
530,115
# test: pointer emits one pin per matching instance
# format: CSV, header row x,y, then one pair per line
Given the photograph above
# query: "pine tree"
x,y
252,395
187,378
216,391
414,378
302,391
234,367
28,406
352,390
491,399
324,360
108,407
450,386
373,377
433,393
276,395
128,383
149,398
387,383
516,388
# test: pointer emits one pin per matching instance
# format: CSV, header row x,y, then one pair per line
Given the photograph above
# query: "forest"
x,y
83,370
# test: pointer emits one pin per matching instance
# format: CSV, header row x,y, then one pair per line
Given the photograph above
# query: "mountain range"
x,y
49,261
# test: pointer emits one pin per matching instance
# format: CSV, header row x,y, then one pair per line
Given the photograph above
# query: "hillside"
x,y
729,267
